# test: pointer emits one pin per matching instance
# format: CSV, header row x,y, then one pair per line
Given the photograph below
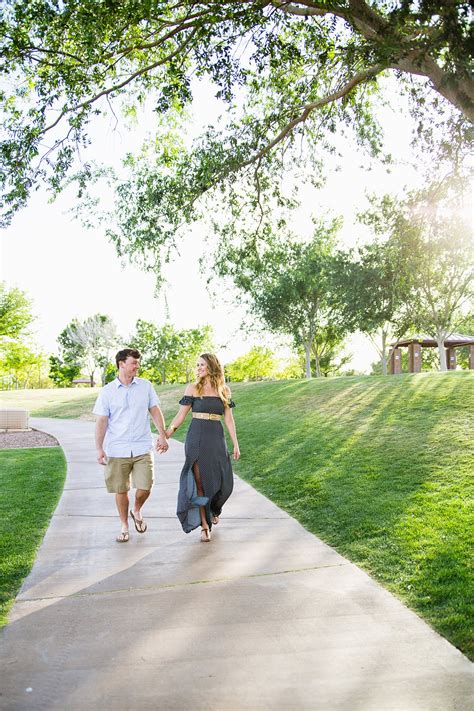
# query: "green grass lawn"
x,y
60,402
31,481
379,468
69,402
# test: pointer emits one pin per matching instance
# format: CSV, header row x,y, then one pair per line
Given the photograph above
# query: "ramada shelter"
x,y
415,344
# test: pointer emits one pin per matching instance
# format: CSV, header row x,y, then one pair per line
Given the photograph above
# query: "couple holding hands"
x,y
124,444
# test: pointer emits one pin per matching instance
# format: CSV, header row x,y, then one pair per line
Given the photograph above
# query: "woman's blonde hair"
x,y
216,376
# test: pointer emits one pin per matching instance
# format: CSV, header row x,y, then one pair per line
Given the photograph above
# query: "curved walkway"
x,y
266,616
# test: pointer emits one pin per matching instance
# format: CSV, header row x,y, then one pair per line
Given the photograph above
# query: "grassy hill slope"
x,y
379,468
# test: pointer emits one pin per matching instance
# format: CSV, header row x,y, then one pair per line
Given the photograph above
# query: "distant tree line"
x,y
89,346
416,276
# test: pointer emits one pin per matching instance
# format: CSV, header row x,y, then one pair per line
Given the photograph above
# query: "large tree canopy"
x,y
300,68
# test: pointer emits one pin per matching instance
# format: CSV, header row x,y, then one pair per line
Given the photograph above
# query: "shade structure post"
x,y
451,361
471,357
414,358
396,361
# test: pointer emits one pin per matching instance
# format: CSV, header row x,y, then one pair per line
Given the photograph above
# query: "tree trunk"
x,y
384,353
91,377
458,93
443,363
307,352
441,336
317,366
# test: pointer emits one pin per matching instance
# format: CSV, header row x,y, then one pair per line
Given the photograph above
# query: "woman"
x,y
206,479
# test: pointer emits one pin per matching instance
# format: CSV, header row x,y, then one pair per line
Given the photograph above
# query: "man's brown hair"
x,y
127,353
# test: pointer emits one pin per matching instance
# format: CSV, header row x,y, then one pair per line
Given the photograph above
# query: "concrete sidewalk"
x,y
266,616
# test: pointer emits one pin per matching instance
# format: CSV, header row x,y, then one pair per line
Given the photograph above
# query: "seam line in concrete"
x,y
90,488
171,518
181,585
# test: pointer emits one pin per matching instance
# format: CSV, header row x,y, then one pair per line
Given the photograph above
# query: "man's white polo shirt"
x,y
128,430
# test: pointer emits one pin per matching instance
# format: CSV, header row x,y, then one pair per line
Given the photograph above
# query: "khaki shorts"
x,y
119,470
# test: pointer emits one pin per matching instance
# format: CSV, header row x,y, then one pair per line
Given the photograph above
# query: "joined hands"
x,y
162,445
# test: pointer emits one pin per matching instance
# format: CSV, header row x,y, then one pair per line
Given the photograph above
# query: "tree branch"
x,y
126,81
309,9
178,26
309,108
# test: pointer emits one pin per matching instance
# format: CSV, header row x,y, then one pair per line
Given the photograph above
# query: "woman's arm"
x,y
180,416
230,424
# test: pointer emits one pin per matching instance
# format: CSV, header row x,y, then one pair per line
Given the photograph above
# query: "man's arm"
x,y
100,430
159,420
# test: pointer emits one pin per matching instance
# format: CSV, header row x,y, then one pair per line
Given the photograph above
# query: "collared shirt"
x,y
128,430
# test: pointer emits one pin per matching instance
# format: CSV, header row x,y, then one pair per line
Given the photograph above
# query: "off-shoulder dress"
x,y
206,445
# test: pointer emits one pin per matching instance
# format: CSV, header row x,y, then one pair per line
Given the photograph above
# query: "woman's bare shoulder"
x,y
190,390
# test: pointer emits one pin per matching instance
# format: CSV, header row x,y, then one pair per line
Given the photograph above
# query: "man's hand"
x,y
161,444
101,457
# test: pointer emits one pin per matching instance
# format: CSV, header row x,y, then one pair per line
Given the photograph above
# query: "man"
x,y
123,408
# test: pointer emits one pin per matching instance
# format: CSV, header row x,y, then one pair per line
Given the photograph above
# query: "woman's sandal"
x,y
123,537
215,520
205,535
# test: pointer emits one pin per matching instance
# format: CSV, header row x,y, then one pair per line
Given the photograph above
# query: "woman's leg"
x,y
219,499
200,491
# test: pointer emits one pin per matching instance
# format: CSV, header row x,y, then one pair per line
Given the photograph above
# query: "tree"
x,y
61,372
194,341
21,364
293,369
465,326
375,283
67,366
160,350
257,364
441,264
15,312
293,289
304,67
326,351
90,343
433,268
169,355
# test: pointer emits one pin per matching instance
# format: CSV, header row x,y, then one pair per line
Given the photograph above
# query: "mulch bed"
x,y
26,439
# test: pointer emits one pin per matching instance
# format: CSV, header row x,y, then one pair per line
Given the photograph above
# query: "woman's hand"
x,y
169,432
236,452
161,443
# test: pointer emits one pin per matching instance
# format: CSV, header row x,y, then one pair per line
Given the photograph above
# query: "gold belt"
x,y
206,416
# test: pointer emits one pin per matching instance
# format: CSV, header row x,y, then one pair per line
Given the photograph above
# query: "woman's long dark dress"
x,y
206,445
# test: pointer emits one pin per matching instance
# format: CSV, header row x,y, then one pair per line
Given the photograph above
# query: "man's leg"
x,y
117,478
142,478
122,507
141,495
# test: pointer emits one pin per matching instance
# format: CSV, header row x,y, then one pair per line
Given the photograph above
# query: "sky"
x,y
72,272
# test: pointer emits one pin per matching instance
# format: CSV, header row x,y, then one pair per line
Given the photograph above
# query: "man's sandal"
x,y
140,524
205,535
123,538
